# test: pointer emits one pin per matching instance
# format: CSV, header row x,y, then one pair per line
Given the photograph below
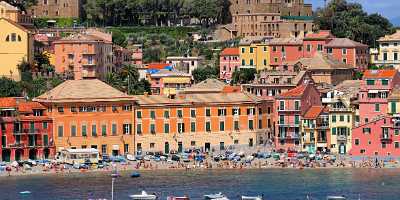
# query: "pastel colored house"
x,y
27,131
290,108
90,114
254,52
388,52
315,130
84,56
349,52
185,64
12,13
229,62
284,52
16,45
316,42
169,82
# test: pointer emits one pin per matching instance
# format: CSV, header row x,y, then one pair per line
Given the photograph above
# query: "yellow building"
x,y
388,53
315,129
169,82
16,45
254,53
12,13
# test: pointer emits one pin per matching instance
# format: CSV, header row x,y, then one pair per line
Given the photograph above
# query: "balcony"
x,y
288,125
17,145
32,131
340,109
341,138
386,137
289,136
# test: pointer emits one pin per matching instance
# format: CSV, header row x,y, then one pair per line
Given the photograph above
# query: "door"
x,y
180,147
166,148
207,146
342,148
32,154
115,152
46,153
6,154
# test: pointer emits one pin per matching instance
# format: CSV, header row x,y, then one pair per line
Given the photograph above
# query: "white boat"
x,y
252,198
143,196
335,198
218,196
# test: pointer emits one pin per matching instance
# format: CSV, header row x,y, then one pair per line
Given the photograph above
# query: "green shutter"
x,y
393,107
333,131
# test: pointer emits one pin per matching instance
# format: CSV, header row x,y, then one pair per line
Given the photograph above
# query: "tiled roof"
x,y
320,61
349,87
393,37
169,73
322,34
253,39
158,65
313,112
208,85
8,102
295,92
230,52
16,25
92,90
27,107
344,42
80,37
384,73
286,41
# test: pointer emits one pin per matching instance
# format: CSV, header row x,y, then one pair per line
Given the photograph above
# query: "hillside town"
x,y
281,85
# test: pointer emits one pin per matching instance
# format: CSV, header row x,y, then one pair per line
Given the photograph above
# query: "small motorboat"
x,y
143,196
335,198
252,198
135,175
218,196
178,198
25,192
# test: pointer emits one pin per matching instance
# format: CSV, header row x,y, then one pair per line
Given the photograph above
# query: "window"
x,y
329,50
333,131
73,109
385,56
243,50
251,111
274,48
251,62
179,114
221,111
370,82
44,125
260,124
128,127
84,131
357,142
366,130
385,82
341,118
296,119
333,118
73,131
281,105
127,108
383,145
104,130
152,114
396,145
308,48
192,126
166,128
60,109
126,148
181,127
45,140
251,50
221,126
393,107
344,60
60,131
377,109
297,105
281,119
152,128
251,124
319,47
193,113
104,149
139,114
13,37
166,114
208,112
138,129
265,48
243,62
114,129
236,111
208,126
344,51
236,125
94,130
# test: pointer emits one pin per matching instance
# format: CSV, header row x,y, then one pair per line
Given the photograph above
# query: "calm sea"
x,y
274,184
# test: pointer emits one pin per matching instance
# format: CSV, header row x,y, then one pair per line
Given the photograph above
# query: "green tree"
x,y
203,73
119,38
351,21
243,76
9,88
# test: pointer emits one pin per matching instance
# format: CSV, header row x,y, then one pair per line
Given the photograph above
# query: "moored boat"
x,y
252,198
135,175
143,196
218,196
178,198
335,198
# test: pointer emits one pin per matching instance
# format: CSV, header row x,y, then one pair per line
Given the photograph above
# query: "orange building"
x,y
210,121
90,114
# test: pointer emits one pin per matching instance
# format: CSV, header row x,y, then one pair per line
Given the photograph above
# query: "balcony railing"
x,y
341,109
17,145
341,137
386,137
289,136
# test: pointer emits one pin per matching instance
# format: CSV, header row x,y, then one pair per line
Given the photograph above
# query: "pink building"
x,y
350,52
83,56
284,52
316,42
291,106
229,62
137,54
375,89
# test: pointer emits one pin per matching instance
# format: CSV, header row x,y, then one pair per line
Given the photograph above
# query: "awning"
x,y
373,91
176,80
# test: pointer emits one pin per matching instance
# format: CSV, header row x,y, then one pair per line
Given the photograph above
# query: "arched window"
x,y
8,38
13,37
19,38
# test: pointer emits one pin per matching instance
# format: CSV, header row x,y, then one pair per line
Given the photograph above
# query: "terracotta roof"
x,y
169,73
313,112
157,100
80,37
158,65
8,102
322,34
286,41
393,37
344,42
91,90
208,85
320,61
15,24
385,73
230,52
8,6
295,92
28,107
